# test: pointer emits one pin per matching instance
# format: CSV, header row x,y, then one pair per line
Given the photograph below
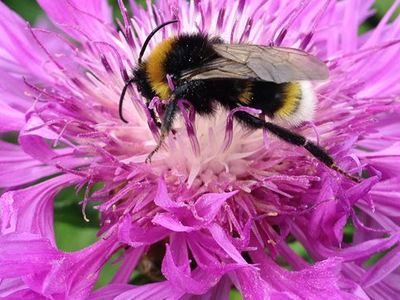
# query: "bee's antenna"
x,y
129,82
121,98
146,42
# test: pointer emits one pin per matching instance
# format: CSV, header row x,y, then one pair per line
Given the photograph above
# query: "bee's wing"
x,y
241,61
220,68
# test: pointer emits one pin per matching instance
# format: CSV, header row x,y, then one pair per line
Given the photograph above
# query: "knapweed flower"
x,y
219,207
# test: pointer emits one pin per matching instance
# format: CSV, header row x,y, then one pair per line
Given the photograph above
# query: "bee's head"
x,y
139,75
140,79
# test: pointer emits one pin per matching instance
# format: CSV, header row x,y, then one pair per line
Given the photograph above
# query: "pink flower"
x,y
219,214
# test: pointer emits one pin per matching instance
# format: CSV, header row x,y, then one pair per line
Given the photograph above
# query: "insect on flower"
x,y
206,72
223,207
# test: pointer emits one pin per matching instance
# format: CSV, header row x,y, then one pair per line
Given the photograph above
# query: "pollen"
x,y
155,68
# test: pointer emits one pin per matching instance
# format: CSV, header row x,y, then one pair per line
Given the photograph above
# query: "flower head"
x,y
220,206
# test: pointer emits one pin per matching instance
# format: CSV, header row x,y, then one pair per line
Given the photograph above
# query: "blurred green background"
x,y
72,232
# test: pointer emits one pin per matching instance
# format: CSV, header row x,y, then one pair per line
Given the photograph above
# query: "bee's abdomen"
x,y
292,101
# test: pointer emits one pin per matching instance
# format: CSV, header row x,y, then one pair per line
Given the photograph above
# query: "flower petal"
x,y
18,168
316,282
10,118
30,210
221,238
34,140
152,291
368,248
129,263
26,253
382,268
163,199
208,205
80,19
75,275
181,218
251,285
15,289
138,236
171,222
386,197
19,52
182,281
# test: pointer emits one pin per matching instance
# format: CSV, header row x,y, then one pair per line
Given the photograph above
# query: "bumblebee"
x,y
209,73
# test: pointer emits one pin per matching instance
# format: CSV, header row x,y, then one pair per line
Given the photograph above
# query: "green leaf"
x,y
108,271
235,295
300,250
10,137
27,9
68,210
72,238
382,6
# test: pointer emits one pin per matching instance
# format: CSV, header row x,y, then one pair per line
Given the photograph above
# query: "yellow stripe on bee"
x,y
155,68
291,99
247,94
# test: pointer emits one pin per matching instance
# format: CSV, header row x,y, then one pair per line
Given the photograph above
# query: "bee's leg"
x,y
180,92
294,139
153,114
168,118
317,151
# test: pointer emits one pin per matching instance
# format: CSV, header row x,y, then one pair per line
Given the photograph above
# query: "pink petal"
x,y
179,250
111,291
30,210
18,47
209,205
382,268
34,141
180,218
79,19
219,291
163,199
18,168
15,288
171,222
15,97
152,291
75,275
386,197
222,239
204,250
128,265
137,236
359,191
10,119
368,248
182,280
251,285
25,253
316,282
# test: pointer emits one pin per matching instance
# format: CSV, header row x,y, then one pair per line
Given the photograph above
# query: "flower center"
x,y
212,154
